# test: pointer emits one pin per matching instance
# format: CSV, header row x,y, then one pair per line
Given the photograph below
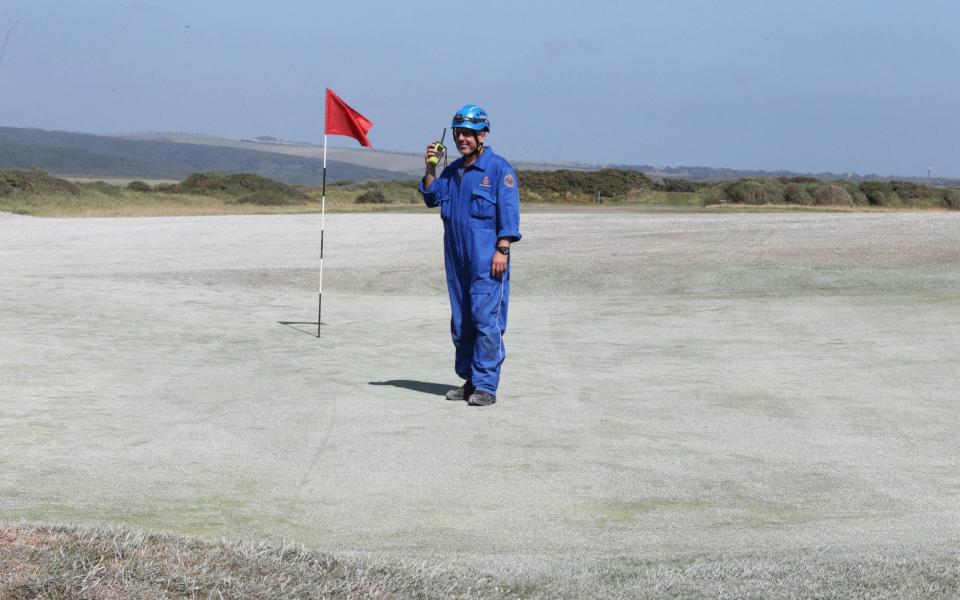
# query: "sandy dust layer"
x,y
674,383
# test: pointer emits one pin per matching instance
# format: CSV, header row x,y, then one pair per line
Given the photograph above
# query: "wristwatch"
x,y
505,250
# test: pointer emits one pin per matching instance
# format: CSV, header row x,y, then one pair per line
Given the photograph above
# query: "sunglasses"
x,y
466,119
464,132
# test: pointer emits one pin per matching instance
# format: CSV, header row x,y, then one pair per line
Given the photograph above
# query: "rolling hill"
x,y
408,163
87,155
152,155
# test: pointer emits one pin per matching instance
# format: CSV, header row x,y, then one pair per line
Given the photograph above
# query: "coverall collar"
x,y
483,160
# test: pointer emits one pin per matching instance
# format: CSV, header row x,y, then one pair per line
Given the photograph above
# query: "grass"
x,y
60,563
99,202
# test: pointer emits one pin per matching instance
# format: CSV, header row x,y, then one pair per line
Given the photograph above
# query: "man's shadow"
x,y
434,389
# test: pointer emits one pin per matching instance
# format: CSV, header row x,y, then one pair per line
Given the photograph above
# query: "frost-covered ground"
x,y
680,389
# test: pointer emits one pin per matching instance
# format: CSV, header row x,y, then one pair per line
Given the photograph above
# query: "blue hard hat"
x,y
471,116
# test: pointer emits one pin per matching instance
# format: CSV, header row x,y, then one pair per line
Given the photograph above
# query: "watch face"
x,y
503,249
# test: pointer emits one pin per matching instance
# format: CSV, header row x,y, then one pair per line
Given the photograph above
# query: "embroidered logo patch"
x,y
485,182
509,181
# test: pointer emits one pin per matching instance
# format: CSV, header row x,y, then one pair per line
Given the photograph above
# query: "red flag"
x,y
343,120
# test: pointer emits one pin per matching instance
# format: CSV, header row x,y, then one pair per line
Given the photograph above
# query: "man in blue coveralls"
x,y
480,207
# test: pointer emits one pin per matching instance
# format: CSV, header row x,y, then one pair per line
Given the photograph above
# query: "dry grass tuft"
x,y
60,563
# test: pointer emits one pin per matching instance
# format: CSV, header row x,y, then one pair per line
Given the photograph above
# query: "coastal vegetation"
x,y
36,192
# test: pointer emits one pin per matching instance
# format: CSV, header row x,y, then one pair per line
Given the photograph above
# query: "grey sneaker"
x,y
461,393
479,398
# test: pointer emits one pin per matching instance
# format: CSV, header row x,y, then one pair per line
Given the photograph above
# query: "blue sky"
x,y
867,87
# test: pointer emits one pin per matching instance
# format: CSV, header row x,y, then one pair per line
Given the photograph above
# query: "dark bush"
x,y
797,193
833,195
880,193
608,182
856,194
716,194
374,196
232,183
139,186
798,179
355,186
908,191
240,185
915,194
745,192
17,182
951,197
679,185
755,191
204,183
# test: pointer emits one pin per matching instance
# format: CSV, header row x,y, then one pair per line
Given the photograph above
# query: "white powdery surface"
x,y
676,384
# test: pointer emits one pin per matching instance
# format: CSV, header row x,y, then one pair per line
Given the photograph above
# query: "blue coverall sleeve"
x,y
435,194
508,205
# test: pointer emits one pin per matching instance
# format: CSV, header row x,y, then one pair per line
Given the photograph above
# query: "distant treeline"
x,y
242,188
612,185
811,192
806,191
718,174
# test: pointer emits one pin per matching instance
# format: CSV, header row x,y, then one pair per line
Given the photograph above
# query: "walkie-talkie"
x,y
440,149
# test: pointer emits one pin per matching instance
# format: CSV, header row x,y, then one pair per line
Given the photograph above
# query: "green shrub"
x,y
910,192
679,185
204,183
715,194
798,193
245,186
139,186
609,182
745,192
833,195
951,197
755,191
354,186
880,193
915,194
19,182
374,196
798,179
856,194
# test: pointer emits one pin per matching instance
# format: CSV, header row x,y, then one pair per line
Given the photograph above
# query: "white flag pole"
x,y
323,213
